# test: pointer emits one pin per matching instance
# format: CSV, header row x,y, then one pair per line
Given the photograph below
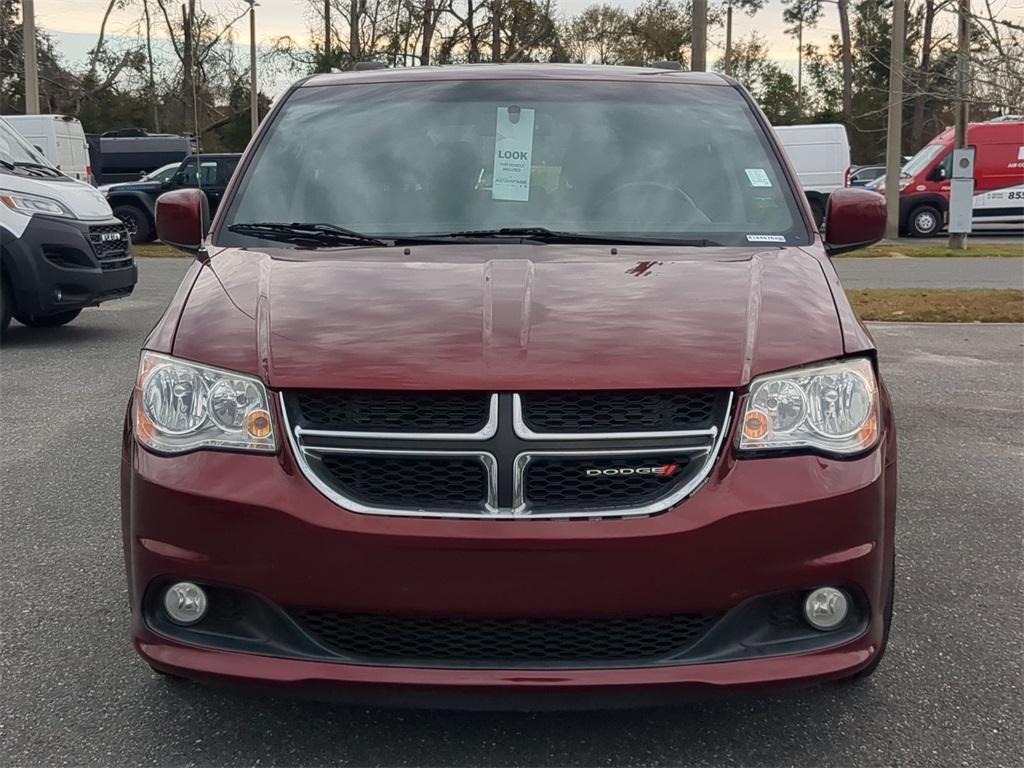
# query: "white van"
x,y
820,154
61,139
61,249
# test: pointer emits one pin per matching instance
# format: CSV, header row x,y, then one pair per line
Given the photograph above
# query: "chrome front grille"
x,y
507,456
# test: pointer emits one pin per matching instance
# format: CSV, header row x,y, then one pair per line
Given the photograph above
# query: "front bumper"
x,y
757,527
62,264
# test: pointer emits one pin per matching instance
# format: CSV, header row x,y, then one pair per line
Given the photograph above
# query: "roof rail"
x,y
670,65
361,66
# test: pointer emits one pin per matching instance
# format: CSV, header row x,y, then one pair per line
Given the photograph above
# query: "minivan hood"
x,y
501,317
83,199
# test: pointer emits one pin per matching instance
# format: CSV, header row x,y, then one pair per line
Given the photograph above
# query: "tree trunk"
x,y
429,20
98,50
496,31
328,59
353,31
847,56
474,40
728,40
923,81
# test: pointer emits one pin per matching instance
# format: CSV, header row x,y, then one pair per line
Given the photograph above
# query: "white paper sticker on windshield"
x,y
513,151
758,177
766,238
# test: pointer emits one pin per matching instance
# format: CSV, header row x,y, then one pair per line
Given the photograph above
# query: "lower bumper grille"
x,y
469,641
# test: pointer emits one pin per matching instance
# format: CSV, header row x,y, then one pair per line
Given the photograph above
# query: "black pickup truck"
x,y
134,202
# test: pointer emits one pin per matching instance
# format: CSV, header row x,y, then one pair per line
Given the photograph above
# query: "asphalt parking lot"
x,y
938,272
950,691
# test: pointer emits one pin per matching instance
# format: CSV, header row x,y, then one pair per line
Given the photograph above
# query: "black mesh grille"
x,y
113,250
504,641
554,483
618,411
785,611
391,411
406,481
112,254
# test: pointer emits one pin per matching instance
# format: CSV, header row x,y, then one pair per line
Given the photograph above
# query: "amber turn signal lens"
x,y
755,425
257,424
869,431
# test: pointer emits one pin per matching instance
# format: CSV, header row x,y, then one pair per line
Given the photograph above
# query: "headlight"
x,y
181,406
831,407
28,204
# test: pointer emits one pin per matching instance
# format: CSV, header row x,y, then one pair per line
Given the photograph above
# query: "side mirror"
x,y
854,218
183,218
166,183
938,173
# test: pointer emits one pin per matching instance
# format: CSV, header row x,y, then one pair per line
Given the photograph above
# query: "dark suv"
x,y
519,381
134,202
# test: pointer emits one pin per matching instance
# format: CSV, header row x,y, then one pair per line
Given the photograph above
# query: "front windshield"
x,y
666,161
921,160
14,149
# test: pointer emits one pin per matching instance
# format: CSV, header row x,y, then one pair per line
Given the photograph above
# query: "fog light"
x,y
185,603
826,608
58,295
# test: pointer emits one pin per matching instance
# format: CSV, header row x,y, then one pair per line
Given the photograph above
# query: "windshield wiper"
x,y
297,232
544,235
31,168
37,167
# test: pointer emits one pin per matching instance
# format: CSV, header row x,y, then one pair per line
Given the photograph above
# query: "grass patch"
x,y
950,305
158,251
903,250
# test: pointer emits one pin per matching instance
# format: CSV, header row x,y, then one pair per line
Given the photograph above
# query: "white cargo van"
x,y
60,138
821,156
61,249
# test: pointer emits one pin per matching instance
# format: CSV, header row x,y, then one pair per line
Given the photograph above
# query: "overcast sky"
x,y
276,18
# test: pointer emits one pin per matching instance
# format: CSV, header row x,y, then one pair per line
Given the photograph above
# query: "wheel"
x,y
6,308
818,211
925,220
48,321
136,221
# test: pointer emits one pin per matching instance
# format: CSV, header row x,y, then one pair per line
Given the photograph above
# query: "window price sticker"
x,y
757,177
513,149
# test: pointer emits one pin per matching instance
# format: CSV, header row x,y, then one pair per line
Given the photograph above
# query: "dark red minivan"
x,y
524,385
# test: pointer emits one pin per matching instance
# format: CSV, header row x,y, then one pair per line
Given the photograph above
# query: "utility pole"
x,y
254,102
699,38
728,39
327,35
800,68
894,136
958,240
28,30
